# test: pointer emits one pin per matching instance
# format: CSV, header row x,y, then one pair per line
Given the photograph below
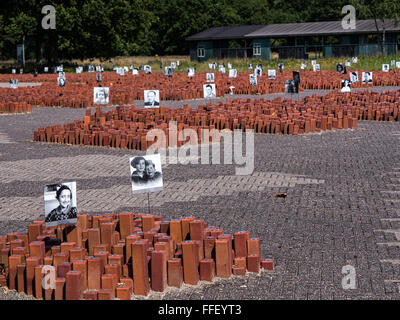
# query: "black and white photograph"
x,y
385,68
135,72
231,90
296,76
147,69
398,64
355,59
347,63
281,66
210,77
258,71
340,68
316,67
146,173
229,66
98,77
232,73
21,71
345,86
222,69
353,76
13,83
169,71
393,63
60,204
367,77
91,68
250,66
101,95
46,69
126,69
151,98
253,79
13,71
271,74
190,72
303,66
313,62
173,65
209,91
120,71
78,69
61,79
291,86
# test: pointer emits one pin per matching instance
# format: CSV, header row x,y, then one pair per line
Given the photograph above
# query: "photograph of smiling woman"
x,y
60,204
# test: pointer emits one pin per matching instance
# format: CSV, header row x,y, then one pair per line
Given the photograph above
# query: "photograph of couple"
x,y
146,174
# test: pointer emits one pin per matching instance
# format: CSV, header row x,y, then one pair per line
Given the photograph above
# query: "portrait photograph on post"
x,y
316,67
147,69
13,83
271,74
210,77
253,79
209,91
353,76
60,204
146,173
190,72
101,95
367,77
385,68
345,86
232,73
61,79
151,98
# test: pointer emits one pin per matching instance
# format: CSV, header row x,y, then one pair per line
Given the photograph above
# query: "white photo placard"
x,y
398,64
209,91
232,73
151,98
385,68
13,83
210,77
316,67
101,95
345,86
190,72
147,69
367,77
253,79
60,204
354,76
146,173
271,74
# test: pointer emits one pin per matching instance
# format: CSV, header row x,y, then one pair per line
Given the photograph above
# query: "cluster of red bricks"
x,y
116,255
127,127
78,92
15,107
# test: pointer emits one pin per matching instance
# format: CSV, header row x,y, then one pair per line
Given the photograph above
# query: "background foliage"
x,y
109,28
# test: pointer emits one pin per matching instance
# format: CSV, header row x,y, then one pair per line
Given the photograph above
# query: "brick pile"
x,y
126,127
119,255
126,89
15,107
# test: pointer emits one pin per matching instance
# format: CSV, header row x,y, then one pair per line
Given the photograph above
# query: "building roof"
x,y
234,32
291,30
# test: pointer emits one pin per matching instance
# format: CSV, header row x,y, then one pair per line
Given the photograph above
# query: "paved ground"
x,y
342,208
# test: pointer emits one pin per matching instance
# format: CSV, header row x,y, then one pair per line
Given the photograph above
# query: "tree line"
x,y
108,28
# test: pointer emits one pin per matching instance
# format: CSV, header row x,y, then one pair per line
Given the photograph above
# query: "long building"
x,y
295,40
